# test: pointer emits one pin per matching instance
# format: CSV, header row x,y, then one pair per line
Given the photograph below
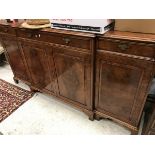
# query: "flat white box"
x,y
85,25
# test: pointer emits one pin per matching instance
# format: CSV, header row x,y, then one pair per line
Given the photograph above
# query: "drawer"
x,y
62,39
127,47
7,30
27,33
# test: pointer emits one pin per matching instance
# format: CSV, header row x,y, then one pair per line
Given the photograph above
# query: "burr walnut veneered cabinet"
x,y
105,76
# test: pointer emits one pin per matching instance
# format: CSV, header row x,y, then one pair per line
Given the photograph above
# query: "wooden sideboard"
x,y
105,76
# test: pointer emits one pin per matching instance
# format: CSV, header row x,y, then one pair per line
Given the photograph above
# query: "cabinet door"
x,y
40,63
121,86
73,70
15,58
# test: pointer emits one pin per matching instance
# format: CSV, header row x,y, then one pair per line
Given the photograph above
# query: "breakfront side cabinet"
x,y
124,70
105,76
56,62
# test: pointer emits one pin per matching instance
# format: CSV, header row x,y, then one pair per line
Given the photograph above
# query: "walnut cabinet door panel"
x,y
40,63
73,70
121,86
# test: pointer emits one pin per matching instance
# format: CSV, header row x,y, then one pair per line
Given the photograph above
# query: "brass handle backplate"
x,y
67,40
5,30
30,35
123,46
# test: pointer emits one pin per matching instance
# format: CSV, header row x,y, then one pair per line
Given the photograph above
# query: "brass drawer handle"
x,y
123,46
22,29
37,36
6,30
67,40
29,35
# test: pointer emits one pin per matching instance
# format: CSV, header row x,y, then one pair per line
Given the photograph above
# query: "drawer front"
x,y
7,30
68,40
127,47
27,33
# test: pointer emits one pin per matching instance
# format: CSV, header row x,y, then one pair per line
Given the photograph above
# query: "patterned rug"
x,y
11,98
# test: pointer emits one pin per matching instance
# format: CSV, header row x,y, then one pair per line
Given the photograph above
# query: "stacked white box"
x,y
85,25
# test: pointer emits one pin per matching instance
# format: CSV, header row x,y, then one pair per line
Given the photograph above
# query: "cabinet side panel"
x,y
15,58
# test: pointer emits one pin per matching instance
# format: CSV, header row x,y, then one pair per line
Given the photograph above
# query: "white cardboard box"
x,y
86,25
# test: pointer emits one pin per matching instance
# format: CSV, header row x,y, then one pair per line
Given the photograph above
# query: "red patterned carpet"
x,y
11,98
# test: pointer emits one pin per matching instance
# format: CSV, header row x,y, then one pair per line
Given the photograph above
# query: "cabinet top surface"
x,y
52,30
110,34
129,36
